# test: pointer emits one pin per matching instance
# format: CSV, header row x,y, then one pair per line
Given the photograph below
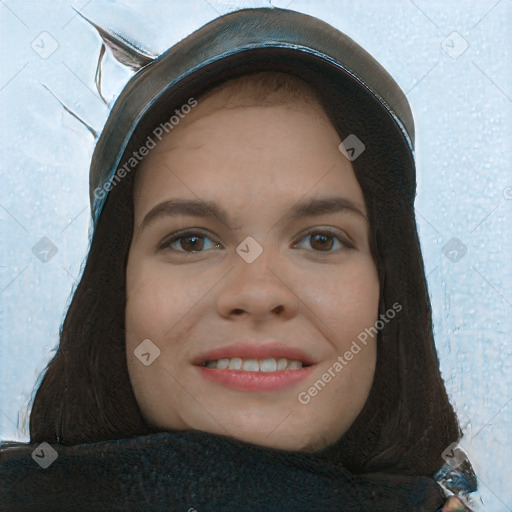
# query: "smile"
x,y
249,374
249,364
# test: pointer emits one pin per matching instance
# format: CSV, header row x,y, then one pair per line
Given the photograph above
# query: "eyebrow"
x,y
208,209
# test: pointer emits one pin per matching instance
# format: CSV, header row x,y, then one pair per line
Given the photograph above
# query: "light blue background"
x,y
462,108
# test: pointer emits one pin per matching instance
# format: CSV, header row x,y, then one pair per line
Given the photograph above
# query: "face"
x,y
240,320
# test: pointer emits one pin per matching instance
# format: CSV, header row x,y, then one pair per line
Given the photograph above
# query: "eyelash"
x,y
346,244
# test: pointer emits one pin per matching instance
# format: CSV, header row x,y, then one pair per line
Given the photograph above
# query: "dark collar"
x,y
196,471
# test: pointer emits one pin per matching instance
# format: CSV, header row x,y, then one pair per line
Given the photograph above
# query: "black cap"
x,y
251,40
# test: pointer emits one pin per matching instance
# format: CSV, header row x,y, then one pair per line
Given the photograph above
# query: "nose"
x,y
261,289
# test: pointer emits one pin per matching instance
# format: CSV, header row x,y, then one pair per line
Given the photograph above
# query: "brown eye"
x,y
186,241
321,241
324,240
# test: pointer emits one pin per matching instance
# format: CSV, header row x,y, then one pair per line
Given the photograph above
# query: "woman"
x,y
290,363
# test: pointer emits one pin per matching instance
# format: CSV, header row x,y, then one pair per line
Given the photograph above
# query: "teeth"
x,y
235,363
250,365
254,365
222,364
269,365
282,363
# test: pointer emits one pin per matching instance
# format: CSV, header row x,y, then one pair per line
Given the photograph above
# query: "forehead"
x,y
243,153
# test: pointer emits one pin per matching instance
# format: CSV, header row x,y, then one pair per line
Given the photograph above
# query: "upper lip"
x,y
256,351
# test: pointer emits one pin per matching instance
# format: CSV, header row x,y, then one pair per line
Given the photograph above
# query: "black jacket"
x,y
196,471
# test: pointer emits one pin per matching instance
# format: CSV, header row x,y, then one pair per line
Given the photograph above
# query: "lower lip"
x,y
256,381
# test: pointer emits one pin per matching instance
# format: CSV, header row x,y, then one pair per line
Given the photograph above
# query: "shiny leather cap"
x,y
251,40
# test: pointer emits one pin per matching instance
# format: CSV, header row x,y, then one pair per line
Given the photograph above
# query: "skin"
x,y
316,295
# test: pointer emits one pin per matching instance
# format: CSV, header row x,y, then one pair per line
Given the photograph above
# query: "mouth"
x,y
249,364
251,368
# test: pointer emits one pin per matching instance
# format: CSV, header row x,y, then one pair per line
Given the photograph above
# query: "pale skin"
x,y
316,295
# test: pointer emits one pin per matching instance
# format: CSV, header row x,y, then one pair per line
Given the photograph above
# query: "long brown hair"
x,y
407,421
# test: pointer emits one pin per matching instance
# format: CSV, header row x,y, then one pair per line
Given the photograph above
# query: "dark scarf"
x,y
197,471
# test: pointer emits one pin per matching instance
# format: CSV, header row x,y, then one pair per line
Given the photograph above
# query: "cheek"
x,y
161,301
151,311
150,301
143,310
347,299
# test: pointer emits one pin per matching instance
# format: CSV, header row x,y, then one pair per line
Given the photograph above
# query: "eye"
x,y
193,241
321,240
190,241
